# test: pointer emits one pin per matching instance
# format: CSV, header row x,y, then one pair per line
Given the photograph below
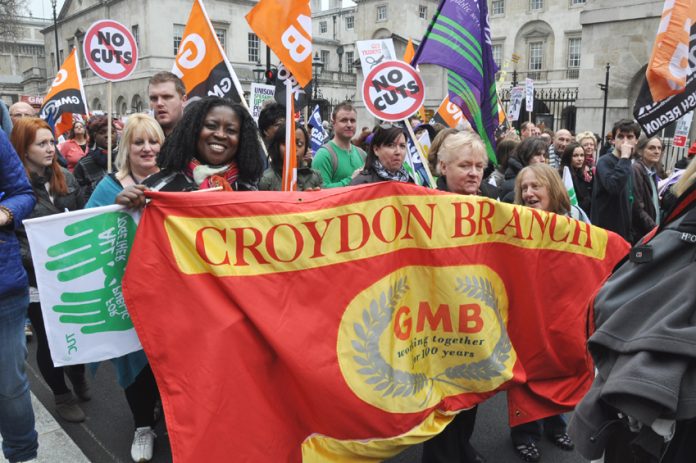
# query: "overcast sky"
x,y
42,8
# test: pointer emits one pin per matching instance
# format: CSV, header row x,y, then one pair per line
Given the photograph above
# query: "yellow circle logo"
x,y
424,333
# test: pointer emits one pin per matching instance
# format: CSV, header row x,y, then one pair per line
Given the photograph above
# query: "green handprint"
x,y
99,242
100,310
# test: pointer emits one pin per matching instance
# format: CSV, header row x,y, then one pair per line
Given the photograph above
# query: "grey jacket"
x,y
644,346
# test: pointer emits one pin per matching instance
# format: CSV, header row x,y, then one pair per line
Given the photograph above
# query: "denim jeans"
x,y
19,438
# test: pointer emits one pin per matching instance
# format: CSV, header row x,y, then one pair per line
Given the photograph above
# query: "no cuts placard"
x,y
110,50
393,90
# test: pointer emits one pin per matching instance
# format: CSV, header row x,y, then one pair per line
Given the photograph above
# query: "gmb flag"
x,y
343,325
201,62
79,258
286,27
66,95
669,89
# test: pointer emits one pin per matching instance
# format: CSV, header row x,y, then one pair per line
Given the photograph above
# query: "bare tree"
x,y
10,10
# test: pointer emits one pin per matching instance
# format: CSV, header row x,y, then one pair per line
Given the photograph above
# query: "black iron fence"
x,y
554,108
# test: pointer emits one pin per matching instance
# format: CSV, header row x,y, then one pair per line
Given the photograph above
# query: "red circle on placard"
x,y
419,98
130,40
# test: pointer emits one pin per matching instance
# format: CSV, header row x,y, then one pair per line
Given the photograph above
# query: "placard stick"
x,y
109,134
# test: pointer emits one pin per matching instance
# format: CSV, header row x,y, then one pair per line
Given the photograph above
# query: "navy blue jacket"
x,y
16,195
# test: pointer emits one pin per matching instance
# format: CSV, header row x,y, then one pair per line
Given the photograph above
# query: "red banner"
x,y
338,325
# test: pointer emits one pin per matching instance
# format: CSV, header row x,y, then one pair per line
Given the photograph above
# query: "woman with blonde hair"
x,y
588,141
435,148
140,144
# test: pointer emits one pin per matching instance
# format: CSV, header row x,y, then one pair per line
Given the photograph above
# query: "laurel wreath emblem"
x,y
398,383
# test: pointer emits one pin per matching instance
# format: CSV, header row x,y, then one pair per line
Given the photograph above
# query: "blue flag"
x,y
459,39
318,134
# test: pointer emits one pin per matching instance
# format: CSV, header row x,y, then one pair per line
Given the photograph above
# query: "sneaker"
x,y
143,444
67,408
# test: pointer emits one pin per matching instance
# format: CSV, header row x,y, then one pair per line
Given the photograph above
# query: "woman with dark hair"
x,y
91,169
307,178
575,158
75,147
503,151
56,191
215,144
531,150
385,158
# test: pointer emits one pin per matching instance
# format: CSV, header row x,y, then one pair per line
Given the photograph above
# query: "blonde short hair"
x,y
135,122
456,142
586,134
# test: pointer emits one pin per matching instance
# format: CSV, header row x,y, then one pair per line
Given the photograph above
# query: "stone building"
x,y
23,63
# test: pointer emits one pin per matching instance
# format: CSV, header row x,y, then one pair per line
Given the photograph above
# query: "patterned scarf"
x,y
398,176
206,176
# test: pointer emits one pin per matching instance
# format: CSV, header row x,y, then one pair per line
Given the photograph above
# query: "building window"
x,y
61,56
574,46
178,35
350,22
253,42
536,59
536,4
382,13
577,2
325,55
422,11
498,7
136,34
497,54
349,62
323,27
221,34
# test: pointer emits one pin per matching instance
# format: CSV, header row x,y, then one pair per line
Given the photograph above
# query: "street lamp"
x,y
259,71
317,66
55,31
605,88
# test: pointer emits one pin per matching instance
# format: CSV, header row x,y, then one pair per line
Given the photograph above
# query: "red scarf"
x,y
225,178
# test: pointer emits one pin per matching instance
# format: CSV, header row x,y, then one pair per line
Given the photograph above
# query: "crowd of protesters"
x,y
212,143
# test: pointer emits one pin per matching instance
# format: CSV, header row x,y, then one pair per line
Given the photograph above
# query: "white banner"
x,y
529,94
259,94
681,132
515,103
374,52
79,259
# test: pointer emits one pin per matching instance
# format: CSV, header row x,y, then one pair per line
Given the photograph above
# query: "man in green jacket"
x,y
338,161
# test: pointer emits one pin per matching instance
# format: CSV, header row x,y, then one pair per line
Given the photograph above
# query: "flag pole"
x,y
109,134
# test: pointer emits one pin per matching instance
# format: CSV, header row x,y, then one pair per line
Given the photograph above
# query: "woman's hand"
x,y
132,197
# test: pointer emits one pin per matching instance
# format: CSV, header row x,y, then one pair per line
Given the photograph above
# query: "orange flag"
x,y
449,114
669,67
289,180
66,95
201,62
286,27
429,313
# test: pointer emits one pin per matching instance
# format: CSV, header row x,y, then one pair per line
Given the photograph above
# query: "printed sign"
x,y
260,93
317,135
110,50
681,132
529,94
374,52
515,104
393,90
80,258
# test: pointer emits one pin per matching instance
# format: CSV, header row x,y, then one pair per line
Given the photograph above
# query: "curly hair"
x,y
95,124
180,147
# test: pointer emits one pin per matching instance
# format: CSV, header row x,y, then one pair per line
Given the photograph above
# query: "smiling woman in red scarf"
x,y
214,145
